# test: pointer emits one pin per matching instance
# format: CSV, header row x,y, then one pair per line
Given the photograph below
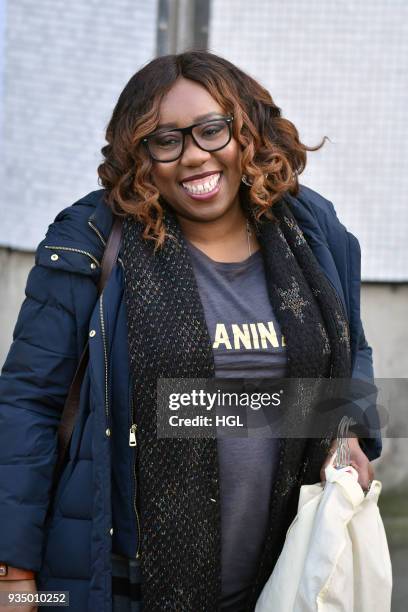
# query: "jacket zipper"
x,y
62,248
97,232
133,426
105,355
133,443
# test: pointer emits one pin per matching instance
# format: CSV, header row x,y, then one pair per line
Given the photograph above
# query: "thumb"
x,y
323,472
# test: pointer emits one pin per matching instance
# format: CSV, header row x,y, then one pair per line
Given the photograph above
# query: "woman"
x,y
217,234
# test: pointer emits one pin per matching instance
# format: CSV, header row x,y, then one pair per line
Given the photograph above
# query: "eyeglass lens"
x,y
210,136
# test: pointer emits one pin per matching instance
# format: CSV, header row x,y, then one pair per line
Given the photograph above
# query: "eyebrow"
x,y
198,118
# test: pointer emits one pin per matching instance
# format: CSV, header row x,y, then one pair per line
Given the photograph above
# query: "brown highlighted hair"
x,y
272,154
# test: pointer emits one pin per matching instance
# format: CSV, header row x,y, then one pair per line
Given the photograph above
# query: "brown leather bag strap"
x,y
71,406
111,252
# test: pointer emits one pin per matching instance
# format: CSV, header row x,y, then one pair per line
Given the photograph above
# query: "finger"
x,y
368,475
328,460
363,474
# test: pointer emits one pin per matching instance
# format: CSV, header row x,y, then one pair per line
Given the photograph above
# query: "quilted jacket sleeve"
x,y
33,386
363,369
346,253
348,262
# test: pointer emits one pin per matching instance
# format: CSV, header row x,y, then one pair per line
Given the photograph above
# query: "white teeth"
x,y
204,187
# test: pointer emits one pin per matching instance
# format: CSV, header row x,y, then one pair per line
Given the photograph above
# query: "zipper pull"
x,y
132,435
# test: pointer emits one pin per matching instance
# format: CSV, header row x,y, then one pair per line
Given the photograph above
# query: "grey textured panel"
x,y
65,65
339,69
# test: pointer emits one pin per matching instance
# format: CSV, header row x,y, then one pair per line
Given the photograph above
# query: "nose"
x,y
192,154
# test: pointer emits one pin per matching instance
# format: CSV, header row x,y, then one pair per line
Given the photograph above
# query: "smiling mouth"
x,y
202,186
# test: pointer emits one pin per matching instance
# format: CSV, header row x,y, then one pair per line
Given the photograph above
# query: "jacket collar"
x,y
101,219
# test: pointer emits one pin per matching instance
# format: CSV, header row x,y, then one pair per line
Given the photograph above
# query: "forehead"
x,y
185,102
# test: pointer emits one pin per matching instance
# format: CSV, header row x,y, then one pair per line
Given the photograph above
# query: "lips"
x,y
202,185
200,176
204,188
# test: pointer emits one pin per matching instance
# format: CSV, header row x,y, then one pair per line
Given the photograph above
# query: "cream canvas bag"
x,y
335,557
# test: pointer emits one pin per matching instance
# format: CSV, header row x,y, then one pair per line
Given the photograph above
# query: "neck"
x,y
223,239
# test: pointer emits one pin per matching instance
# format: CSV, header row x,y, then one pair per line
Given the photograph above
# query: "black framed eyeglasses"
x,y
209,135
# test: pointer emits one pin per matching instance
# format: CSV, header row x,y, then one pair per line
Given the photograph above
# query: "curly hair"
x,y
272,154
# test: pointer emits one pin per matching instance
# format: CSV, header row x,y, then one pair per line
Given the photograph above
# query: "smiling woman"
x,y
228,268
210,175
243,133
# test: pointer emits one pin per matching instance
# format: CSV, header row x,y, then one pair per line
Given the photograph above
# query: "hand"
x,y
13,586
358,460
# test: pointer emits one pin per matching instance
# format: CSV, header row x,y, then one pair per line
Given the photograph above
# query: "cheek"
x,y
232,157
162,176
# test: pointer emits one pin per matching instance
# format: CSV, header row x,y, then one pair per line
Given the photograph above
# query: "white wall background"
x,y
65,64
337,68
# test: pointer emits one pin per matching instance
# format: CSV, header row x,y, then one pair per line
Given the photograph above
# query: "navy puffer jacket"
x,y
95,508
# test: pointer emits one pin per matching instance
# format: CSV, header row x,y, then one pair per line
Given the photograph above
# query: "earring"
x,y
244,179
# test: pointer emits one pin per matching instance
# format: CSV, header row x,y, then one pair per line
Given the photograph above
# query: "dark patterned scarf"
x,y
168,338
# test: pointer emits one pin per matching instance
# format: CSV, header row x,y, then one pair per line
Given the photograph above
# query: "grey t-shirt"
x,y
247,343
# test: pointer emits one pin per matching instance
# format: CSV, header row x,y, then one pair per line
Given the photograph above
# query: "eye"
x,y
166,141
212,130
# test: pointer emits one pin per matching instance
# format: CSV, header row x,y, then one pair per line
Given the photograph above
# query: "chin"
x,y
208,212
